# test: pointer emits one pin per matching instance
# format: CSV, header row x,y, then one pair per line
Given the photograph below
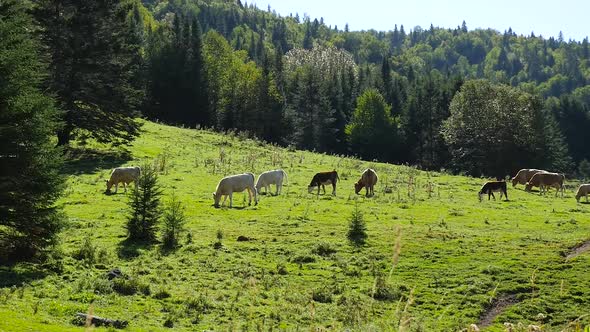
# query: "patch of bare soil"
x,y
578,250
498,306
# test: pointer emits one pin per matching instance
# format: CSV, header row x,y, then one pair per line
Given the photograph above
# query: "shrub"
x,y
357,228
87,251
199,306
218,244
384,291
130,286
145,207
173,222
353,308
322,295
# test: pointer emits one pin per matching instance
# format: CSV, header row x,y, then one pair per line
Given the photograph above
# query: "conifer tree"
x,y
94,56
145,207
30,181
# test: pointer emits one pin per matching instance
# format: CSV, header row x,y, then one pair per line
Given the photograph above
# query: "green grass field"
x,y
436,258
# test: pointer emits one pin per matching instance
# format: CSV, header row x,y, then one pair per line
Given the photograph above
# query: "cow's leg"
x,y
231,199
319,186
224,199
506,194
255,195
333,189
324,188
249,196
116,187
125,187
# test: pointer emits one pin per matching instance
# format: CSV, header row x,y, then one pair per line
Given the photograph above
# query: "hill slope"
x,y
460,262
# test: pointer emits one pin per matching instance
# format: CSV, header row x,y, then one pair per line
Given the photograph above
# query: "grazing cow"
x,y
524,175
275,177
544,180
235,183
368,180
583,190
491,186
123,175
323,178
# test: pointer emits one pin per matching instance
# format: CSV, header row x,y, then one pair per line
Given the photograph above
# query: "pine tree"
x,y
173,222
357,228
94,66
30,181
145,207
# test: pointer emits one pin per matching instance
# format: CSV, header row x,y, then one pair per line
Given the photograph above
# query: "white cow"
x,y
583,190
123,175
275,177
235,183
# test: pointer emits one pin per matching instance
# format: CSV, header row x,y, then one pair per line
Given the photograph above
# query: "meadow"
x,y
436,258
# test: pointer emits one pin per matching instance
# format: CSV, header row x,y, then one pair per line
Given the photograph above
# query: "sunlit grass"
x,y
437,257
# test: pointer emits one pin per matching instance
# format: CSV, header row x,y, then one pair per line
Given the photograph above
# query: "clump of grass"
x,y
353,309
302,259
324,249
130,286
198,306
385,291
282,269
357,228
87,251
322,295
161,294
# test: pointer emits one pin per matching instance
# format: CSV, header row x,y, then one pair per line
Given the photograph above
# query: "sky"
x,y
542,17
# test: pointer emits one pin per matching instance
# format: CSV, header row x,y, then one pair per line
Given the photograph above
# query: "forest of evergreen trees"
x,y
478,101
297,81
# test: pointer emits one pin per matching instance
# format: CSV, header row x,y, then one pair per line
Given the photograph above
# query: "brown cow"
x,y
368,180
543,180
491,186
524,175
323,178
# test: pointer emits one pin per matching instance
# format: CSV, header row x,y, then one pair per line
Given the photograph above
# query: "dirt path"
x,y
578,250
498,306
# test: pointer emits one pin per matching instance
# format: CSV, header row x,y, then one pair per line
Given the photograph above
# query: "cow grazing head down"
x,y
357,187
216,199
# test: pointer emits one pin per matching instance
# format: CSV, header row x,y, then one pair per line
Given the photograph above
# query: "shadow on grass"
x,y
19,274
85,161
129,249
225,207
585,203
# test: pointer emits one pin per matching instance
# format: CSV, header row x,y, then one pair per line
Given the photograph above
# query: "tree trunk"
x,y
64,136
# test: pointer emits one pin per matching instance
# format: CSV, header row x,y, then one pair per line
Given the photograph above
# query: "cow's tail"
x,y
337,177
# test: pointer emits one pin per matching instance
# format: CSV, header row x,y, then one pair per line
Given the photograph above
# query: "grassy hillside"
x,y
458,261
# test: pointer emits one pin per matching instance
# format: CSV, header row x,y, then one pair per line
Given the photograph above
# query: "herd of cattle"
x,y
240,182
